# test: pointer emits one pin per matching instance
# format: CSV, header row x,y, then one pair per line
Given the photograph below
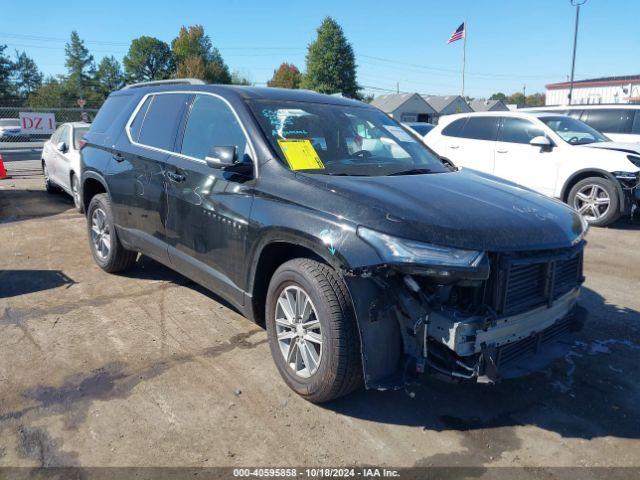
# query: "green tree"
x,y
535,100
238,78
196,57
498,96
286,75
109,76
52,92
517,98
6,70
331,65
148,59
26,76
79,65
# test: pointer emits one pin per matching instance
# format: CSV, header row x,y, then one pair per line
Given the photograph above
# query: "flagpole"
x,y
464,54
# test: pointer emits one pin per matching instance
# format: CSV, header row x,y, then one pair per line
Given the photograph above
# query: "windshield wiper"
x,y
412,171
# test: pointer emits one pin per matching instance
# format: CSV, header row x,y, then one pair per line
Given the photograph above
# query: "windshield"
x,y
341,140
573,131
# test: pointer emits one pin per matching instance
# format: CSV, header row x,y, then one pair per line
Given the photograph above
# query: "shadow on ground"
x,y
28,204
592,392
19,282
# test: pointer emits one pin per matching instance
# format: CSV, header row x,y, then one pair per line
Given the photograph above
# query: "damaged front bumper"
x,y
412,324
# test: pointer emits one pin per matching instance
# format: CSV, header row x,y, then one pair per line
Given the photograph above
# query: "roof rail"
x,y
170,81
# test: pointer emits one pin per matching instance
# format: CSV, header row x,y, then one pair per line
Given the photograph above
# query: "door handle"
x,y
118,157
502,151
176,177
454,146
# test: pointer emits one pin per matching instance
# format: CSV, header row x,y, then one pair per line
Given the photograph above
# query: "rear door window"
x,y
160,126
454,129
636,123
481,128
518,130
211,123
609,120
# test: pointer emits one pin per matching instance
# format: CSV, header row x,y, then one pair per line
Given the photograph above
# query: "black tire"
x,y
117,258
340,368
612,213
75,192
49,186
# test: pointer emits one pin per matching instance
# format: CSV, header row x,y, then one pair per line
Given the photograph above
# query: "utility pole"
x,y
464,54
524,94
577,4
397,87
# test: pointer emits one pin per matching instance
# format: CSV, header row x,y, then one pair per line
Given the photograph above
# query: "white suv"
x,y
620,122
552,154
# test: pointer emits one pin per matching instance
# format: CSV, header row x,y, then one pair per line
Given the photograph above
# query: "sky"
x,y
511,44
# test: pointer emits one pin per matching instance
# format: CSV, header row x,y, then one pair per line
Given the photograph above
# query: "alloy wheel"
x,y
298,330
100,233
592,202
75,191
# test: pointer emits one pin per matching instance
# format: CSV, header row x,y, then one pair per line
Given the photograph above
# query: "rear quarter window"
x,y
113,106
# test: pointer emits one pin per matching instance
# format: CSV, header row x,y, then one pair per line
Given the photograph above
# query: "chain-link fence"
x,y
26,125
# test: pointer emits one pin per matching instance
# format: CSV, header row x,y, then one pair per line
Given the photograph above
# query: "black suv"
x,y
369,258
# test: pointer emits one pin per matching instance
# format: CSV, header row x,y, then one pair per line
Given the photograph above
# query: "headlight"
x,y
399,250
634,159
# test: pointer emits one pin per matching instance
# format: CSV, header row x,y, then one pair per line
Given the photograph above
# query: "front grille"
x,y
515,350
521,282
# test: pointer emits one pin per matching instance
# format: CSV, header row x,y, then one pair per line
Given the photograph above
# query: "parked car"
x,y
551,154
9,129
368,259
61,160
619,122
419,128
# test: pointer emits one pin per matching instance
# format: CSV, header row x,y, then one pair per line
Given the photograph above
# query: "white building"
x,y
624,89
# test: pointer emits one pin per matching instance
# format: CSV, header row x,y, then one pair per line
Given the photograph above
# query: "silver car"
x,y
61,160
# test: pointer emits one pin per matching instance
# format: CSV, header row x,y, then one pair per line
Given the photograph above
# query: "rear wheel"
x,y
596,199
312,331
105,245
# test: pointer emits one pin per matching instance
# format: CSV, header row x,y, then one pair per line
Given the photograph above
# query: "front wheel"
x,y
312,331
596,199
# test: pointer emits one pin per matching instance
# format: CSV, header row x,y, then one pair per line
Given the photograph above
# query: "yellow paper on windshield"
x,y
300,154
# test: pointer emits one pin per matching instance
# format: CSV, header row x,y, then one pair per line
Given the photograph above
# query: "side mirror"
x,y
541,141
62,147
221,157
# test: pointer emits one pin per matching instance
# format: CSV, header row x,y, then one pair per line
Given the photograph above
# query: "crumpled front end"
x,y
503,319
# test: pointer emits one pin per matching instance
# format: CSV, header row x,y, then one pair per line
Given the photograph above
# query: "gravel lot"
x,y
148,369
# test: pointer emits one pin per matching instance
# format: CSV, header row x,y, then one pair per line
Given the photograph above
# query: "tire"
x,y
49,186
111,256
75,192
596,198
339,370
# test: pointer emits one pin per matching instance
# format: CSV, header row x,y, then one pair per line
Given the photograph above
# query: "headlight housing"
x,y
432,259
635,159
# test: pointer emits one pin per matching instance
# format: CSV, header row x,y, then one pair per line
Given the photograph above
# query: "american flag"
x,y
458,34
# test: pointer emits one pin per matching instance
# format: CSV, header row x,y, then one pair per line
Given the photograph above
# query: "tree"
x,y
148,59
517,98
79,65
498,96
6,69
331,65
109,76
286,76
238,78
26,76
51,93
196,57
535,100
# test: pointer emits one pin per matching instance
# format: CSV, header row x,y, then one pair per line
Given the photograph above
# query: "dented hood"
x,y
464,209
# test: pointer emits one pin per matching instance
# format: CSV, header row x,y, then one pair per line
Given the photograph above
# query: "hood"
x,y
464,209
633,148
